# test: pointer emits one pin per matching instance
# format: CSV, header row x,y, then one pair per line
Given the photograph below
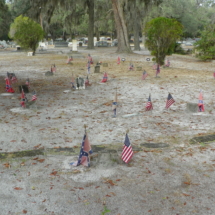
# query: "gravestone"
x,y
24,87
97,69
74,46
80,83
139,68
105,64
49,73
192,107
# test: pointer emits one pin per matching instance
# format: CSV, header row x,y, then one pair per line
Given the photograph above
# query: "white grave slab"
x,y
7,94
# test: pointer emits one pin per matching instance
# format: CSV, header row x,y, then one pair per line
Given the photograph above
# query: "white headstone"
x,y
74,46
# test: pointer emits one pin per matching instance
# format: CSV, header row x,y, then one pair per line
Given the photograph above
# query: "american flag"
x,y
90,59
149,104
145,74
34,96
84,153
118,60
167,63
53,68
69,59
131,67
201,103
169,101
9,89
88,67
27,82
158,69
214,74
23,99
114,104
127,152
105,78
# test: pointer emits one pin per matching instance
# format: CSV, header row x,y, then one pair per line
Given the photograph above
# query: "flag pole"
x,y
85,128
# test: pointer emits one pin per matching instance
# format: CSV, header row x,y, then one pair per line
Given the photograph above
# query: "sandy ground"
x,y
174,180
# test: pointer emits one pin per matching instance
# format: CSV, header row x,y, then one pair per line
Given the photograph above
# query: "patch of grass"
x,y
105,210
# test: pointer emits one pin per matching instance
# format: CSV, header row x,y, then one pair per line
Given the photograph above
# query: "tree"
x,y
121,27
5,18
205,47
162,34
26,32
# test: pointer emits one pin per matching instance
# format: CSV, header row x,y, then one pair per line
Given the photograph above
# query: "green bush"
x,y
26,33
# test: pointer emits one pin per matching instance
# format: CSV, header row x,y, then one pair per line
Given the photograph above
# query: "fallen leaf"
x,y
35,158
7,165
54,173
44,200
118,179
24,211
81,188
41,160
97,187
108,195
18,188
13,141
185,194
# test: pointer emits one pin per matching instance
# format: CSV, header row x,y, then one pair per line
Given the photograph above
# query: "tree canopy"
x,y
26,32
162,34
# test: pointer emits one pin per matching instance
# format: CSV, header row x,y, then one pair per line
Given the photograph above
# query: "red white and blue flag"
x,y
23,99
70,59
114,105
127,151
85,151
131,67
34,96
167,63
9,89
149,104
90,59
53,68
201,103
88,67
169,101
145,74
27,82
118,60
105,78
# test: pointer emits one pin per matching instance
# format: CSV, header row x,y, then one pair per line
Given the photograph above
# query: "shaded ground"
x,y
173,180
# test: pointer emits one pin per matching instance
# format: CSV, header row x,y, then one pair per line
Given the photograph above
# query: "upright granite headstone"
x,y
97,69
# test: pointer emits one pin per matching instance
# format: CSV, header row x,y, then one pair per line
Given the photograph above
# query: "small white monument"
x,y
74,46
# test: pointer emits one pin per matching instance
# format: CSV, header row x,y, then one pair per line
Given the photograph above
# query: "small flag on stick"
x,y
127,151
214,74
201,103
90,59
53,68
145,74
34,96
118,60
167,63
27,82
69,60
88,67
9,89
131,67
84,152
169,101
114,105
105,78
23,99
149,104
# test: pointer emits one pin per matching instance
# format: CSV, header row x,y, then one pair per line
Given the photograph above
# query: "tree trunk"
x,y
136,29
122,32
90,44
97,33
